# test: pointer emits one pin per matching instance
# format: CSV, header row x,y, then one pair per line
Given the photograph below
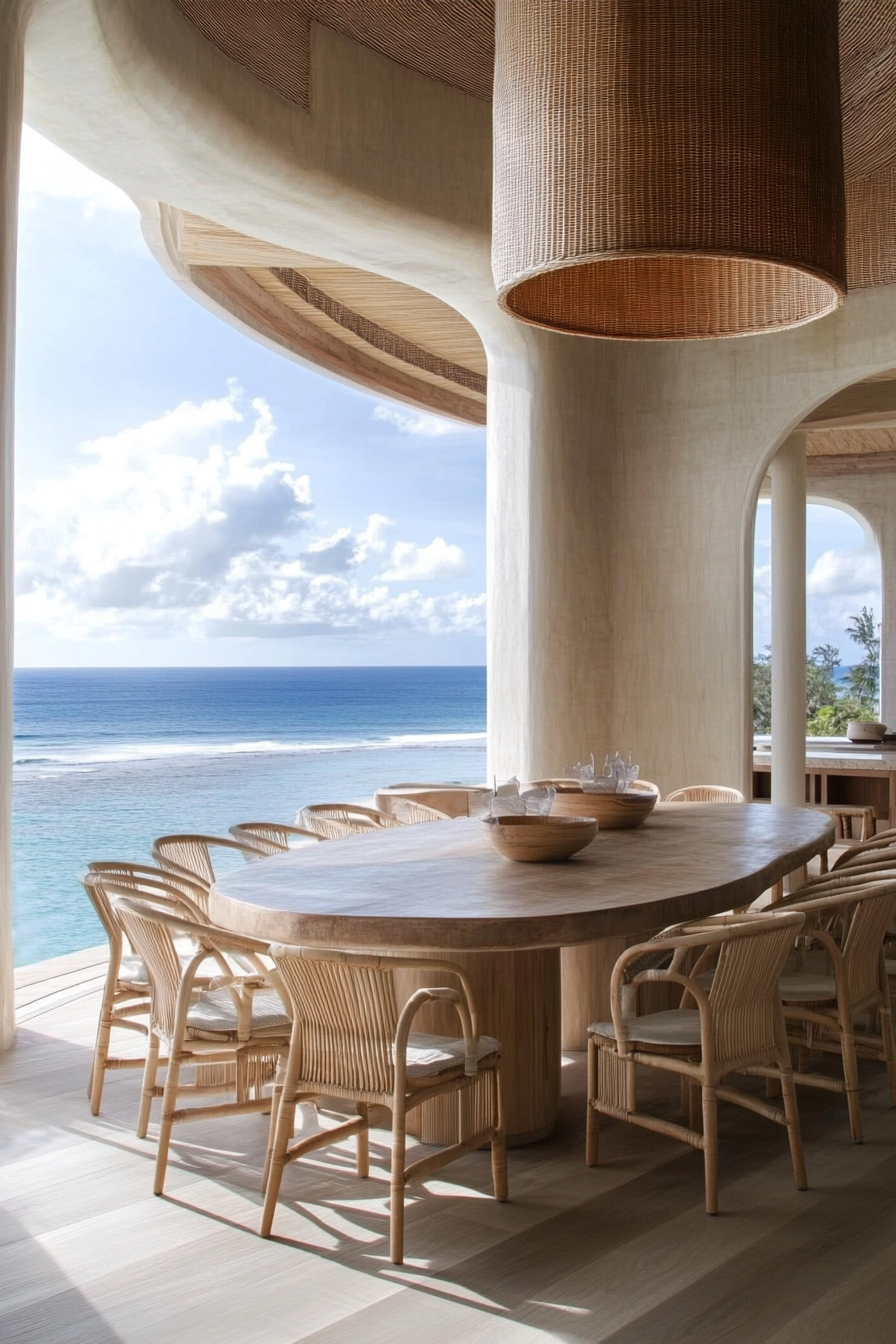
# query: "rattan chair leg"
x,y
282,1124
851,1079
397,1188
592,1122
711,1148
794,1134
886,1029
100,1055
150,1072
363,1149
499,1141
276,1098
169,1106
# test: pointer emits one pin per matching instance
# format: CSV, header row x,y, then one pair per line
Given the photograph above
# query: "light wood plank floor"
x,y
621,1254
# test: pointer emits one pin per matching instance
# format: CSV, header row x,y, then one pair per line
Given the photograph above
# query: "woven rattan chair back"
x,y
347,1018
879,850
332,821
155,945
145,877
744,1008
869,921
706,793
271,837
189,855
411,813
859,911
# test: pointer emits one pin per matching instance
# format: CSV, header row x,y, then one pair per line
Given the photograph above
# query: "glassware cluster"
x,y
617,775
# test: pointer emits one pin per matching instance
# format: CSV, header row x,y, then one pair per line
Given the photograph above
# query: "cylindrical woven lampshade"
x,y
668,169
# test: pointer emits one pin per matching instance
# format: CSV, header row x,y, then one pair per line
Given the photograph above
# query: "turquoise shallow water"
x,y
108,759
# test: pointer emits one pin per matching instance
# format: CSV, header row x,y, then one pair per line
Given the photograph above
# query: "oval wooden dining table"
x,y
440,889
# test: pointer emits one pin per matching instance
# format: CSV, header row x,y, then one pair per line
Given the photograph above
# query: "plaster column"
x,y
13,16
788,478
619,508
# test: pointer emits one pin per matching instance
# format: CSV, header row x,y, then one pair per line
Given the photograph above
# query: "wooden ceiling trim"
x,y
849,464
864,404
408,352
239,294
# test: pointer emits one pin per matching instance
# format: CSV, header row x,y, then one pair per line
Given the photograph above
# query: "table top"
x,y
441,885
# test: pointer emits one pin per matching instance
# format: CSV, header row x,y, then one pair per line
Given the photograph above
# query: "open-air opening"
x,y
843,620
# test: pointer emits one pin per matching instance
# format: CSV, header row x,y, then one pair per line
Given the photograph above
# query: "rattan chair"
x,y
350,1041
411,813
126,991
271,837
191,887
237,1022
737,1025
849,920
867,851
332,821
189,855
706,793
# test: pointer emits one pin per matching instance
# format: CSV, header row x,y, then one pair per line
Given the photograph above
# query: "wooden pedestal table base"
x,y
443,888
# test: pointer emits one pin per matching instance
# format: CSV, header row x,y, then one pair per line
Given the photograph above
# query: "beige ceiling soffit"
x,y
240,295
379,337
202,242
848,464
864,405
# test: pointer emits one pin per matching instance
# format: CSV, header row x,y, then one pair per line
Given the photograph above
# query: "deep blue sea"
x,y
108,759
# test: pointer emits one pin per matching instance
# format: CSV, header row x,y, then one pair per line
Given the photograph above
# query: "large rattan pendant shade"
x,y
668,169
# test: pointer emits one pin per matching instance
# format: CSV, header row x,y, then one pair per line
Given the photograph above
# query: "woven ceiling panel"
x,y
453,41
448,40
668,171
868,73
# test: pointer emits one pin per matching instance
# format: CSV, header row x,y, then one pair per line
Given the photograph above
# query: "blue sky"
x,y
185,496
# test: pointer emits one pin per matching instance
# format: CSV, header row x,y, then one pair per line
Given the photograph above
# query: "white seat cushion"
x,y
807,987
132,971
432,1055
676,1026
215,1010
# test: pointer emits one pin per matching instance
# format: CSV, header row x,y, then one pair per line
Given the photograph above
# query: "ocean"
x,y
106,760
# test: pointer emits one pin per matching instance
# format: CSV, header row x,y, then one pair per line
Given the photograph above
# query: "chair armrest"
x,y
417,1001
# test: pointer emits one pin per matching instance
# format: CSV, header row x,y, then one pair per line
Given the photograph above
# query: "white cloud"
x,y
841,582
409,563
840,573
47,170
418,422
187,526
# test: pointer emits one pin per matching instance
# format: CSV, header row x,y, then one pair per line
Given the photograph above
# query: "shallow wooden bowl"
x,y
539,839
614,811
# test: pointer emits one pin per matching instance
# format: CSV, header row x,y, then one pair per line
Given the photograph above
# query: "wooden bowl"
x,y
539,839
614,811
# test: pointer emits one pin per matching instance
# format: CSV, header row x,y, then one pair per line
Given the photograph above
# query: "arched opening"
x,y
844,617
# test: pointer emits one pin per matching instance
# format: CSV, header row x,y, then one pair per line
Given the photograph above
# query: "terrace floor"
x,y
622,1253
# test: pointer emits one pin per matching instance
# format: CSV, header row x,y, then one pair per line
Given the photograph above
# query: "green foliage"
x,y
762,692
828,707
865,677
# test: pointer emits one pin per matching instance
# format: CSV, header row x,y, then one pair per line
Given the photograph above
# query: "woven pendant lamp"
x,y
668,169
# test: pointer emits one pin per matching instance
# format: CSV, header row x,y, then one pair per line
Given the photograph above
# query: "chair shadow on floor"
x,y
622,1253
